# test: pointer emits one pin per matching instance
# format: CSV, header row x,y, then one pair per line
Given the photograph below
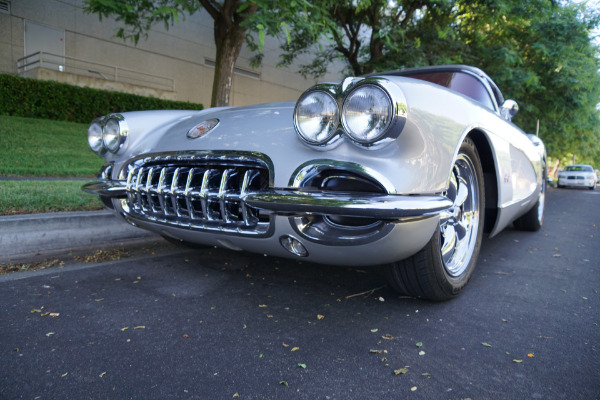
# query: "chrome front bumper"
x,y
292,202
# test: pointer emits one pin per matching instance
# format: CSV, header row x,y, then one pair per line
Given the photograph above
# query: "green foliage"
x,y
539,52
58,101
138,16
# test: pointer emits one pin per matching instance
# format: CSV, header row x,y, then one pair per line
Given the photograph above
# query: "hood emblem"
x,y
202,128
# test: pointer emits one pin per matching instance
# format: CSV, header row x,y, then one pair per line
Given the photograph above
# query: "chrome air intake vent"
x,y
200,192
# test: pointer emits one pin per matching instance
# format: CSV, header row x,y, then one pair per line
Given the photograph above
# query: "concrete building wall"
x,y
183,54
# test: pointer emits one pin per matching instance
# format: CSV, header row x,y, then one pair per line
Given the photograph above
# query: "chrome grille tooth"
x,y
137,189
130,190
173,192
160,190
187,193
247,215
204,193
207,192
223,193
149,190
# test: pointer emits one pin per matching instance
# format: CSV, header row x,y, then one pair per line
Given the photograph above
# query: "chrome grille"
x,y
203,194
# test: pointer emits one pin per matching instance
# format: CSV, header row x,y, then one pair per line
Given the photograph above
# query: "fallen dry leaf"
x,y
400,371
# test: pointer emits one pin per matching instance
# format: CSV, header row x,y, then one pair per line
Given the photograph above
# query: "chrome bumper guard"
x,y
296,202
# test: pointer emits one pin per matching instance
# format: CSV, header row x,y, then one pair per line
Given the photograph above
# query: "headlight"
x,y
316,117
114,133
367,113
95,137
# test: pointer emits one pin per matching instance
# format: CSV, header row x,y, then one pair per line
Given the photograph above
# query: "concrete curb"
x,y
29,234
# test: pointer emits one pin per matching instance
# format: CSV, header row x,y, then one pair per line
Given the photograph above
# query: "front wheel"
x,y
444,266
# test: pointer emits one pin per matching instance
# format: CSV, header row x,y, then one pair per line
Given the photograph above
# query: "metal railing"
x,y
92,69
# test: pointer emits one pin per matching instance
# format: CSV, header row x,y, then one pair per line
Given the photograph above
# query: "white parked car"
x,y
578,175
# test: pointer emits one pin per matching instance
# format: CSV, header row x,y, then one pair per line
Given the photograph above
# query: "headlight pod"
x,y
108,133
370,112
367,113
316,117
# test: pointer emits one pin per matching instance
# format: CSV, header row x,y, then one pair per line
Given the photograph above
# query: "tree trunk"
x,y
229,35
228,50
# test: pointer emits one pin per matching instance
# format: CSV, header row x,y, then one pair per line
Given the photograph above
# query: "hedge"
x,y
25,97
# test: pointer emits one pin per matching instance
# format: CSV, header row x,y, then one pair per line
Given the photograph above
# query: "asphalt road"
x,y
214,324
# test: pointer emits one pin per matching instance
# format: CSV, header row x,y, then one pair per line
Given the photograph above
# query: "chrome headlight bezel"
x,y
325,114
95,137
380,105
114,132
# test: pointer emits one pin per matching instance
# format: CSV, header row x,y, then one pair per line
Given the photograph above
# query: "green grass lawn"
x,y
27,197
39,148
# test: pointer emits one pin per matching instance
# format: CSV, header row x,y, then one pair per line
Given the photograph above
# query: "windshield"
x,y
458,81
579,168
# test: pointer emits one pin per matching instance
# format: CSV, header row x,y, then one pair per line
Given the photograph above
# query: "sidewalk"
x,y
35,235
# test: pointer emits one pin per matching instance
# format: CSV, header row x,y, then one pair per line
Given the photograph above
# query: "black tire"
x,y
444,266
593,187
533,220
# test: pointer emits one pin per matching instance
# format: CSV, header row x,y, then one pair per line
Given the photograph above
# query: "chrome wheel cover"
x,y
459,226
